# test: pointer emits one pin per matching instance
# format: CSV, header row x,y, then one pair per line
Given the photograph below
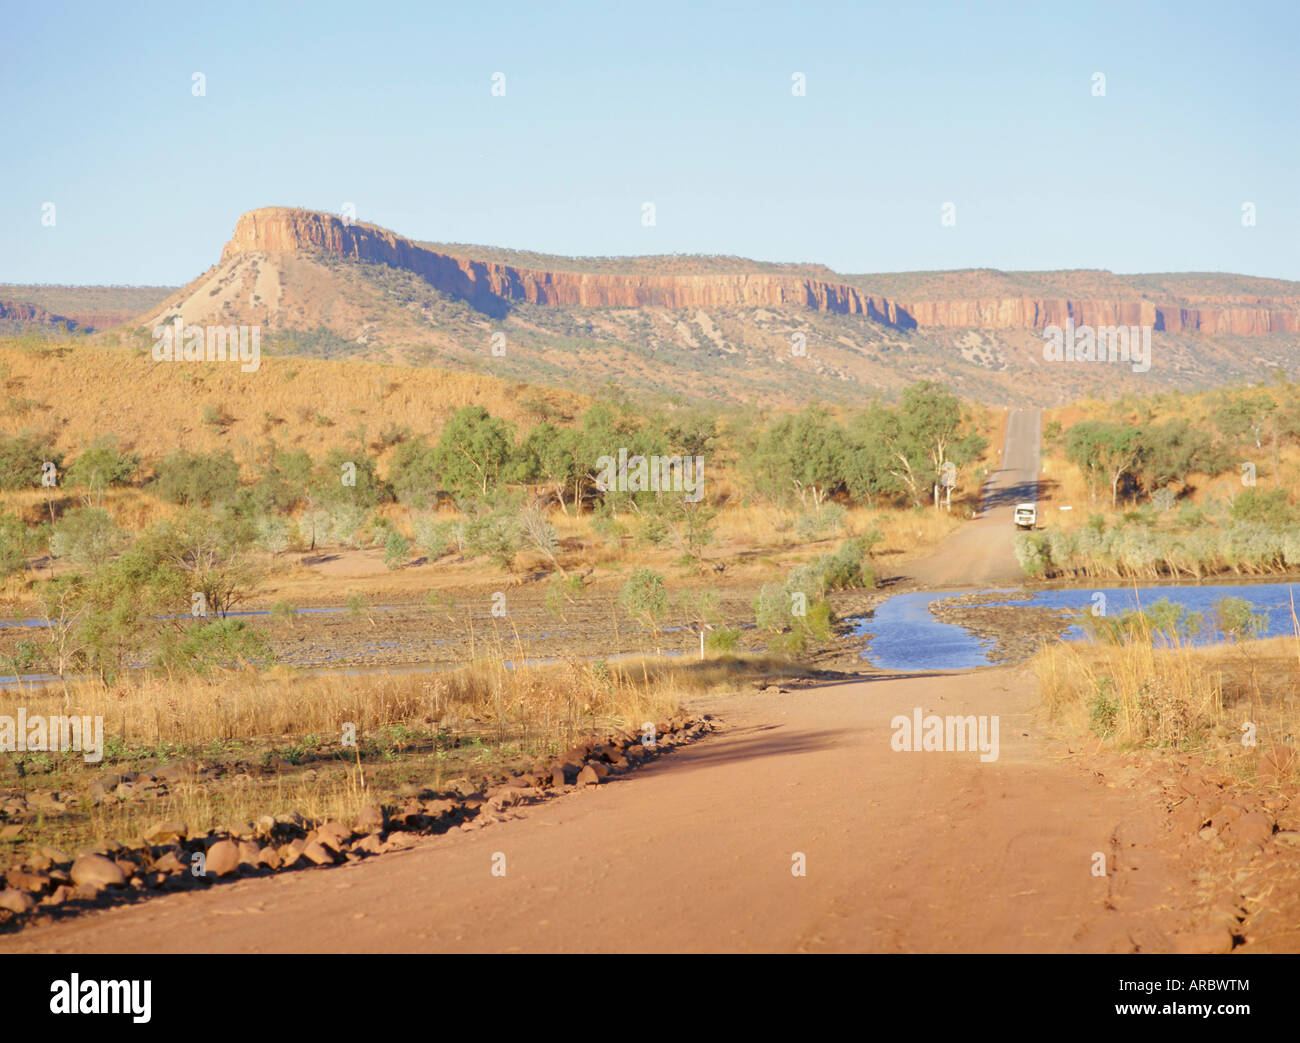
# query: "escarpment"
x,y
283,229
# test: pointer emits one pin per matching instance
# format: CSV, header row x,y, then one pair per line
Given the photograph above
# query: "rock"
x,y
250,854
600,768
269,856
505,796
97,871
54,854
318,853
462,786
370,844
1288,838
370,819
559,779
102,788
62,893
28,880
332,835
16,901
222,859
167,832
588,776
88,892
171,862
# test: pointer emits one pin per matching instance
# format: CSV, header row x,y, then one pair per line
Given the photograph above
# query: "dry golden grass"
x,y
415,730
1138,694
85,391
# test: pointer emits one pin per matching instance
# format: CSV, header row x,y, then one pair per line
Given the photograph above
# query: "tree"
x,y
474,449
551,456
931,431
347,478
869,464
1245,415
1170,451
413,474
1104,450
803,454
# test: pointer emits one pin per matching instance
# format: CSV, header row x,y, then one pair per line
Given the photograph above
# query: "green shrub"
x,y
23,458
397,549
1237,620
86,536
645,598
103,465
722,639
197,479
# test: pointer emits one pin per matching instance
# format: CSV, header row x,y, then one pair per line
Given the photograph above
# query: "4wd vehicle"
x,y
1026,515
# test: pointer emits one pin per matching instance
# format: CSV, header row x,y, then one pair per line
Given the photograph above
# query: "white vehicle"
x,y
1026,515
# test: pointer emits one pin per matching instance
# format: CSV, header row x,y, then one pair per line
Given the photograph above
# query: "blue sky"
x,y
689,106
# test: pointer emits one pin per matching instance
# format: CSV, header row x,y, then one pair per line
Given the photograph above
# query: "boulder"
x,y
97,871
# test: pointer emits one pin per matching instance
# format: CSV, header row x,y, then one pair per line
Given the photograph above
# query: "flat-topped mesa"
x,y
279,229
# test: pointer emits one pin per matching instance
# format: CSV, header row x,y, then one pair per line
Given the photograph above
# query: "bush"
x,y
197,479
15,540
23,458
820,524
645,598
273,534
846,568
216,644
102,465
722,639
496,535
397,549
413,474
1265,508
86,536
434,537
562,590
1237,620
1032,554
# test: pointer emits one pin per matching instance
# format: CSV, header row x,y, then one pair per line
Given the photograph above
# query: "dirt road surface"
x,y
980,554
905,852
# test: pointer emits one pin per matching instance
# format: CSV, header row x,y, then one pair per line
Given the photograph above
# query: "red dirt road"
x,y
916,852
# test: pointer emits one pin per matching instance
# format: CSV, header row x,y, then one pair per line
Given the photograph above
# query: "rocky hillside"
x,y
21,317
720,327
80,309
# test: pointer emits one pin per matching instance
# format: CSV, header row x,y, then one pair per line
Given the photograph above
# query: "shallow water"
x,y
909,637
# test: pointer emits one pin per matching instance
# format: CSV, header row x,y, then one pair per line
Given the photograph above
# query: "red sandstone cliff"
x,y
275,229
